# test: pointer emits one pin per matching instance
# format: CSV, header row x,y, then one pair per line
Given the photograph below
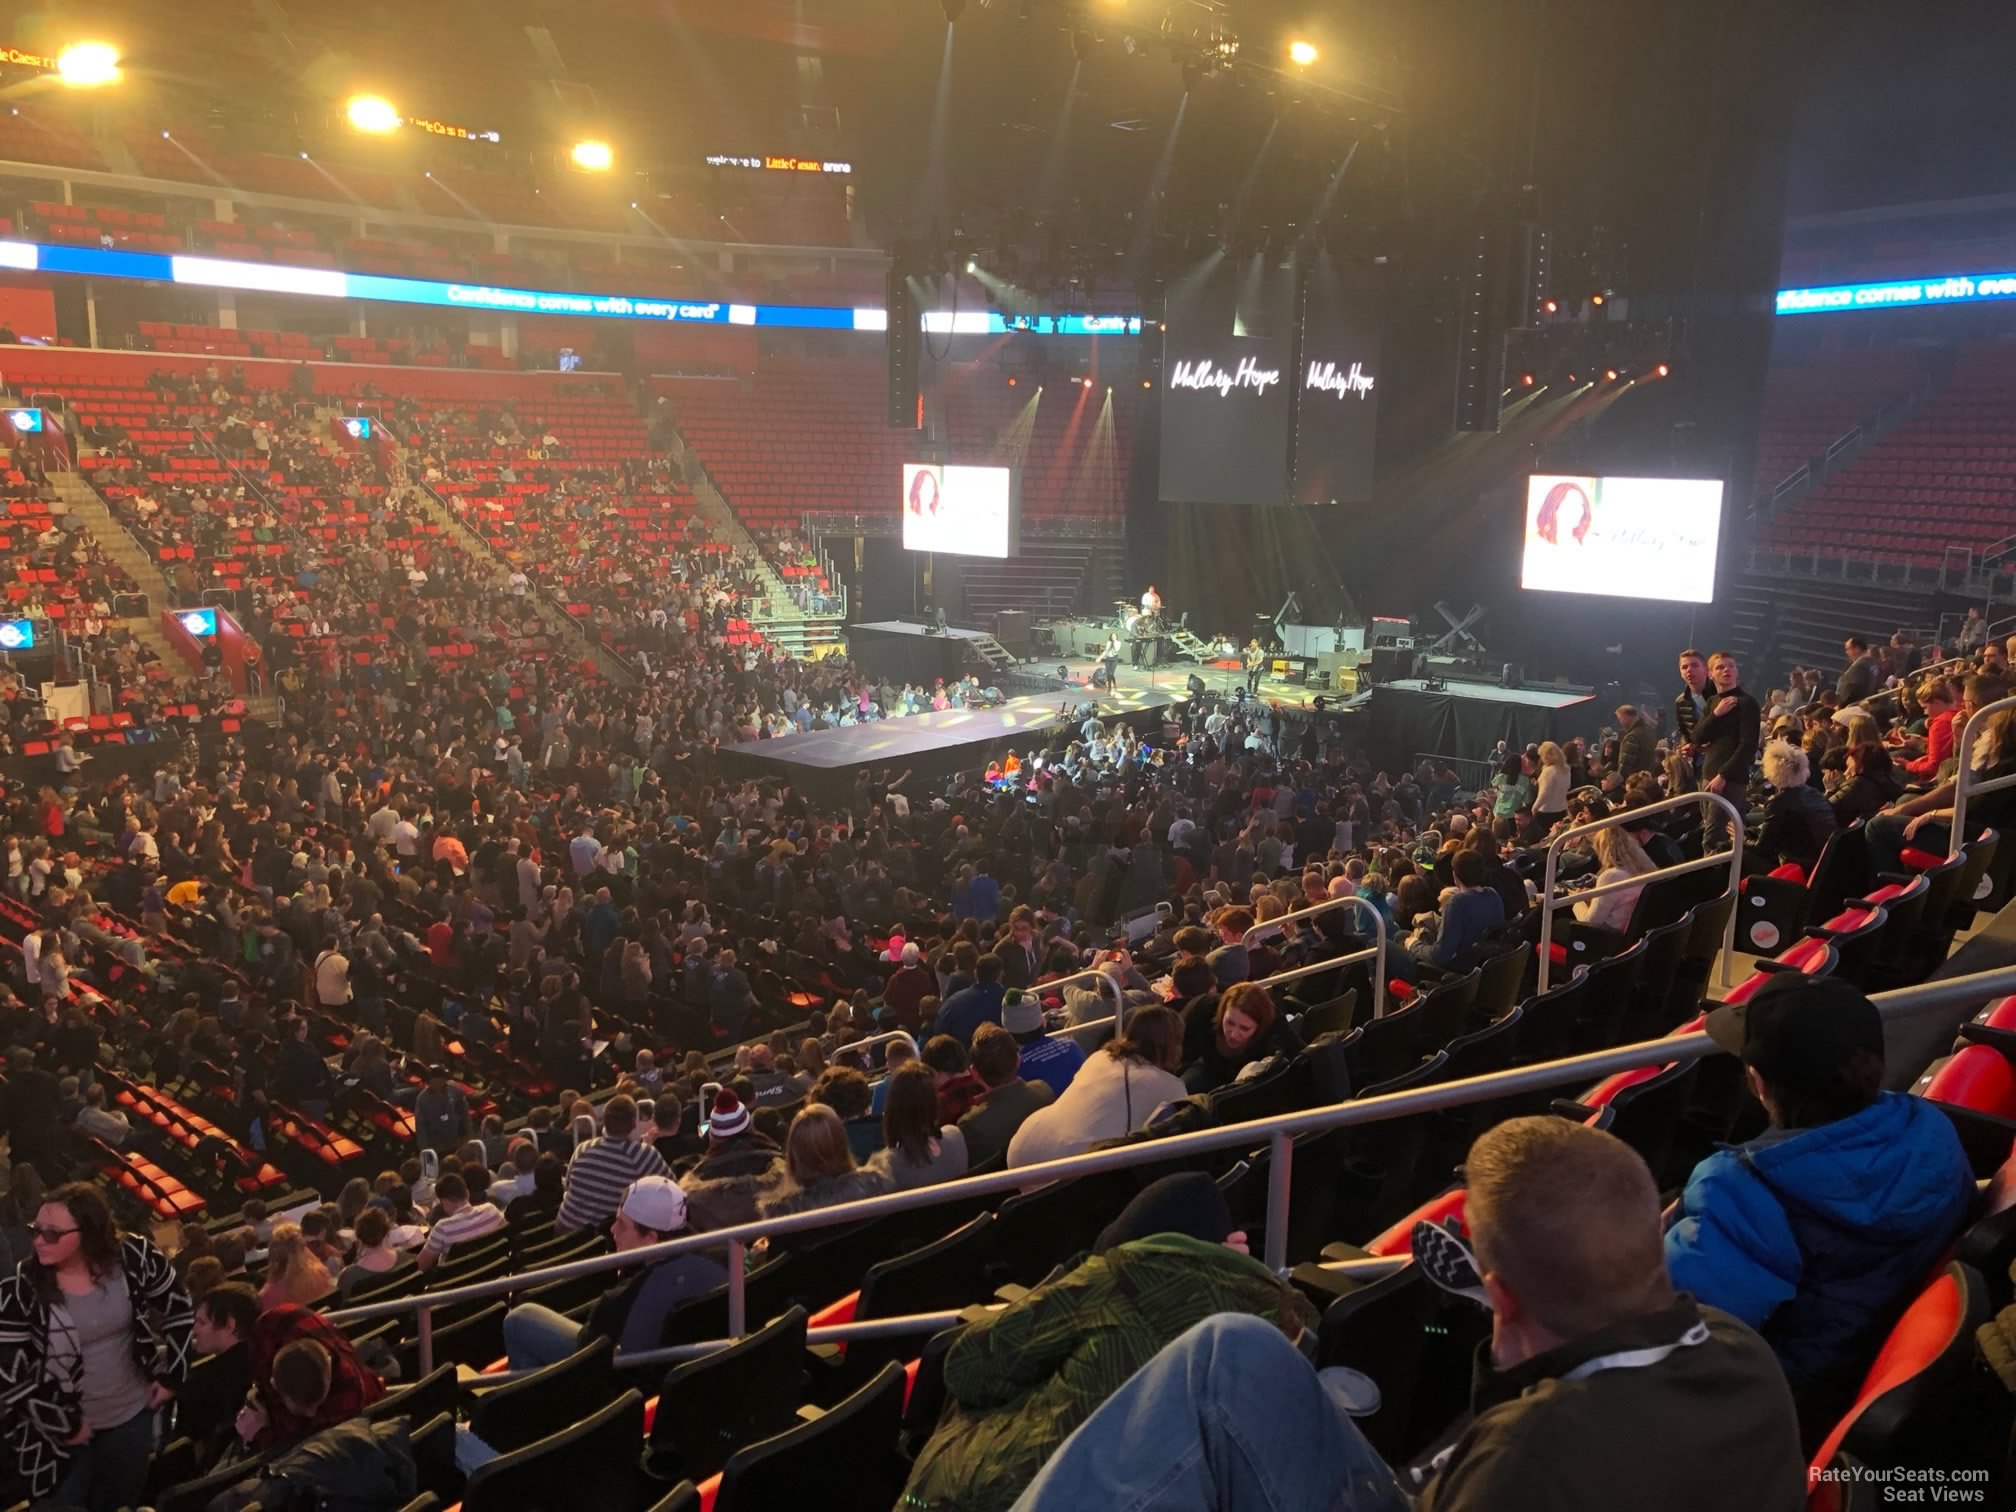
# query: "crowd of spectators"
x,y
443,866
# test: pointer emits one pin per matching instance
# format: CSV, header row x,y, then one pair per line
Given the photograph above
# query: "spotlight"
x,y
304,157
1011,383
1610,375
1526,379
1302,52
1552,307
596,157
86,65
1596,300
1571,377
165,137
972,266
1193,75
1146,384
372,113
952,8
1664,370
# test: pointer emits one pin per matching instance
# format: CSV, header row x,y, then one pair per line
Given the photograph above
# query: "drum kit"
x,y
1139,624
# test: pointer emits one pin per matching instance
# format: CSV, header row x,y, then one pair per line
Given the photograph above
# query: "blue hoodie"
x,y
1816,1237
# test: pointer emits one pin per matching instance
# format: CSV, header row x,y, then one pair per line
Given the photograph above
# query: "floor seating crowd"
x,y
289,1102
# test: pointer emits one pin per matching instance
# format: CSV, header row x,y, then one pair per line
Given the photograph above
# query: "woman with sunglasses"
x,y
95,1335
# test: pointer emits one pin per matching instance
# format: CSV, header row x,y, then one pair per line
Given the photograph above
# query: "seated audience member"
x,y
846,1092
1817,1232
819,1167
1245,1030
1797,820
602,1168
293,1274
1596,1368
1230,961
917,1150
990,1123
740,1168
896,1053
1471,910
1017,1381
632,1312
520,1161
302,1373
1619,858
549,1187
462,1220
1052,1061
966,1010
1113,1094
959,1087
1926,822
1871,786
375,1254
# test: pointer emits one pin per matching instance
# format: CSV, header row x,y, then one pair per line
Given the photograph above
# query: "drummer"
x,y
1151,601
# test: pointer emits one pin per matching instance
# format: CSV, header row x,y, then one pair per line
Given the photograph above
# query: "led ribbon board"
x,y
329,283
1898,294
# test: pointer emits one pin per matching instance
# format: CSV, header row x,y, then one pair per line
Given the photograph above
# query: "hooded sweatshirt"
x,y
1818,1237
1021,1380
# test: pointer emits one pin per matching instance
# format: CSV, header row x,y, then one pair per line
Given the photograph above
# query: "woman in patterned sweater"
x,y
95,1333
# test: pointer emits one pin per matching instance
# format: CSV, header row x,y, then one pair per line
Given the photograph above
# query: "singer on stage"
x,y
1110,660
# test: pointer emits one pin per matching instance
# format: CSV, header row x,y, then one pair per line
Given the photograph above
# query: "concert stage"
x,y
903,651
1467,719
824,762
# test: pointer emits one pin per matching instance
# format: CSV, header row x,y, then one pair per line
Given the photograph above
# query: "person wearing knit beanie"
x,y
728,1117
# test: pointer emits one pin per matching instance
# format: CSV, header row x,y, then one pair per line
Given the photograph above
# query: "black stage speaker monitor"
x,y
1011,628
1390,664
903,338
1514,676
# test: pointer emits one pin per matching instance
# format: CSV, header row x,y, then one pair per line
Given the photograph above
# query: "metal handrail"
x,y
1963,786
1378,951
1550,903
1280,1130
1936,669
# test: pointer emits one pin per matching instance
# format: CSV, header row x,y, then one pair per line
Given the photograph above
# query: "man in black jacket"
x,y
1595,1369
1690,704
1727,740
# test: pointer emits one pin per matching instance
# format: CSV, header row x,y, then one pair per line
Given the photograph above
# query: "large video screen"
x,y
1226,383
1644,538
1337,392
962,511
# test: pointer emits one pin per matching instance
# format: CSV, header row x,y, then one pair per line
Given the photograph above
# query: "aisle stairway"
x,y
84,503
557,620
779,619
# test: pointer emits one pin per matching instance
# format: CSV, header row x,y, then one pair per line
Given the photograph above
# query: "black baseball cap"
x,y
1798,1030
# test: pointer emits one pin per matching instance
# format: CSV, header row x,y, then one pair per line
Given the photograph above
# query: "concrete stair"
x,y
84,502
778,618
559,623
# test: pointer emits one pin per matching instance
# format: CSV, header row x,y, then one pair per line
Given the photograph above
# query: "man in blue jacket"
x,y
1820,1231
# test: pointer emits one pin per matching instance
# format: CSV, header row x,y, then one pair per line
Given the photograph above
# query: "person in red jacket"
x,y
1941,711
303,1374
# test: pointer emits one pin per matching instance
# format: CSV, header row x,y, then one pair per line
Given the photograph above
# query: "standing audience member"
x,y
95,1333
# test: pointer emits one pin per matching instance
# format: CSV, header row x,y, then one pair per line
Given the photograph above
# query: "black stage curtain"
x,y
1407,722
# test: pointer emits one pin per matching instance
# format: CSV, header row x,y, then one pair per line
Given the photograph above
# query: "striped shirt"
x,y
471,1221
598,1175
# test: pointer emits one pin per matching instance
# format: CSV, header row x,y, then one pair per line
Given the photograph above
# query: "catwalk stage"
x,y
822,762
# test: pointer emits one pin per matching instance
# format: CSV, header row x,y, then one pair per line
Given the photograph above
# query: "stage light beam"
x,y
1663,370
372,113
595,157
1302,52
88,65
